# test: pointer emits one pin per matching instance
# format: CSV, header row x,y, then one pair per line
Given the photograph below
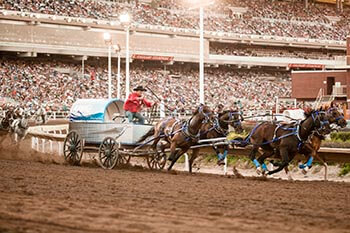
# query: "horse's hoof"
x,y
258,170
305,170
221,162
265,173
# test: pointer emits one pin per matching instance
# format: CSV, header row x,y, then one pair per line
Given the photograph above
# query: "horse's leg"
x,y
324,164
285,160
252,156
194,155
261,160
173,155
306,166
176,157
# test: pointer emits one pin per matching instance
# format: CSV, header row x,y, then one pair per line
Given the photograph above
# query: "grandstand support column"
x,y
118,77
108,40
125,19
201,56
127,60
109,71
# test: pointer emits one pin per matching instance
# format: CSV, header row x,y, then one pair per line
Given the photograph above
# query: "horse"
x,y
40,116
179,134
5,123
219,128
284,140
19,128
314,142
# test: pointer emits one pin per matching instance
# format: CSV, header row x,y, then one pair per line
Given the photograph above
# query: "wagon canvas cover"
x,y
95,110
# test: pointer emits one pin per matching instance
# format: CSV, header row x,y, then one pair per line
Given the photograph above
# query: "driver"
x,y
134,103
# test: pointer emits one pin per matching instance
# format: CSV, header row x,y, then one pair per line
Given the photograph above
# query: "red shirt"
x,y
133,103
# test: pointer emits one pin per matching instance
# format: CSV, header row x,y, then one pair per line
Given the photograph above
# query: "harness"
x,y
189,136
185,126
217,127
340,117
294,131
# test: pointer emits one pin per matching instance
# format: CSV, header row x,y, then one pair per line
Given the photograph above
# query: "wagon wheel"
x,y
73,148
156,161
123,158
108,153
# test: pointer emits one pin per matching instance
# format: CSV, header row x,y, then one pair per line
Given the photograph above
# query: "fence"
x,y
49,139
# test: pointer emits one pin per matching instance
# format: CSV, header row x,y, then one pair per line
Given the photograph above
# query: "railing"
x,y
48,136
339,91
177,30
58,115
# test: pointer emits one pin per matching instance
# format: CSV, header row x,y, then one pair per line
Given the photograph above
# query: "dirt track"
x,y
42,196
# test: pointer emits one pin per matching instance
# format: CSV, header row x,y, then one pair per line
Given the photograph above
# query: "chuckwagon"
x,y
100,125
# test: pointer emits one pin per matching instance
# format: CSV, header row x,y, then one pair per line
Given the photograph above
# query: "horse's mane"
x,y
196,110
308,112
226,111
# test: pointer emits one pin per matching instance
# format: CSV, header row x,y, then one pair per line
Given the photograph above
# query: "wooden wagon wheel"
x,y
73,148
123,158
108,153
156,161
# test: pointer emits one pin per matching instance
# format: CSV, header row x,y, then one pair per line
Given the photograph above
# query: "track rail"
x,y
57,133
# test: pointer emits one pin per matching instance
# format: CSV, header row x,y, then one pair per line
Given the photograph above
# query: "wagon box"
x,y
96,119
100,125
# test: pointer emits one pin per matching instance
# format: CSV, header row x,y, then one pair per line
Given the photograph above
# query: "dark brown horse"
x,y
284,140
179,135
314,142
7,120
219,127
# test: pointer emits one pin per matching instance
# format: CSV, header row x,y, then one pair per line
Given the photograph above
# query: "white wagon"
x,y
100,125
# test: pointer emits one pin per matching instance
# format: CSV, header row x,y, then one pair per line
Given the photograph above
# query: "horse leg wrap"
x,y
257,164
309,161
220,156
224,154
264,167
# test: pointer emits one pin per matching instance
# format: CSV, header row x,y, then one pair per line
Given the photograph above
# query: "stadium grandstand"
x,y
53,52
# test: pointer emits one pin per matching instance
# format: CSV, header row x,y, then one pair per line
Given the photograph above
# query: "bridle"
x,y
206,115
231,118
316,116
340,117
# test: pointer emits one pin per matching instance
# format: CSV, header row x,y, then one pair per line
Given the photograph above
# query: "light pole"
x,y
201,56
108,39
201,4
117,49
125,20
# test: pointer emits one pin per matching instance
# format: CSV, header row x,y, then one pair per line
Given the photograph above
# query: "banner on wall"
x,y
151,58
309,66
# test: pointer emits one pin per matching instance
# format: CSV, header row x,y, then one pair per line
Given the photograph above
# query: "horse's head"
x,y
334,116
204,113
24,123
320,121
233,118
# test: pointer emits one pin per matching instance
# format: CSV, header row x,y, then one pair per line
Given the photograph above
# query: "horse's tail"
x,y
148,134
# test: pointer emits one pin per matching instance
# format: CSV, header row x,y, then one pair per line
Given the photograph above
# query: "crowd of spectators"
x,y
261,17
56,84
272,51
